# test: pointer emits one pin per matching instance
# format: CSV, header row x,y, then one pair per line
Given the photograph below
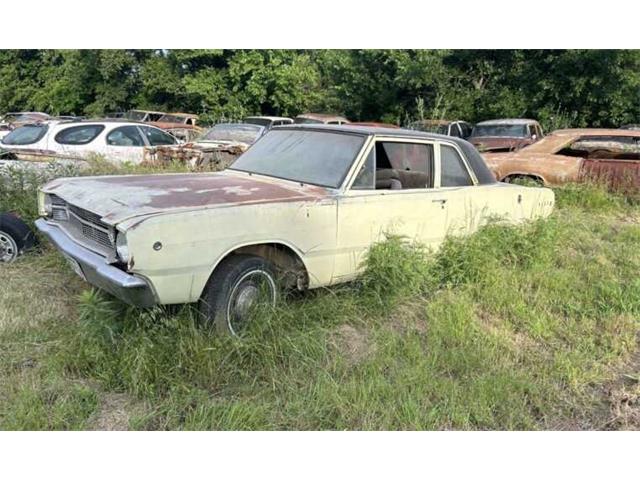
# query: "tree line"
x,y
599,88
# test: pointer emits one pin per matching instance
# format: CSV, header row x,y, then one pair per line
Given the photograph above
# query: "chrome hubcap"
x,y
8,248
253,288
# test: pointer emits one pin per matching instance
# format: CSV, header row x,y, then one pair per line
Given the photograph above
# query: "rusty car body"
x,y
143,115
575,155
215,150
453,128
183,126
505,135
303,206
320,118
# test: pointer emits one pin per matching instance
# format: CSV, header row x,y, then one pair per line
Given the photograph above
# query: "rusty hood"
x,y
487,144
119,198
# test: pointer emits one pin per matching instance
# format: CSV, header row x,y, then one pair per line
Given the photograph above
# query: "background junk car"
x,y
301,207
143,115
12,120
505,135
180,125
118,141
216,149
611,156
268,122
453,128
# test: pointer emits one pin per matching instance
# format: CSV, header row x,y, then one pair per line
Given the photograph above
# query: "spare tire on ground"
x,y
15,237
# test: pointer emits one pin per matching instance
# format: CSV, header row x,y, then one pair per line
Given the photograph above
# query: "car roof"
x,y
321,116
427,121
367,130
105,120
508,121
180,114
238,124
267,117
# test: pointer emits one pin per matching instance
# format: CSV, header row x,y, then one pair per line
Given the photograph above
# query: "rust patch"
x,y
115,198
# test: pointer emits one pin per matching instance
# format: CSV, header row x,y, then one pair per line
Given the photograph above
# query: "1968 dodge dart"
x,y
302,207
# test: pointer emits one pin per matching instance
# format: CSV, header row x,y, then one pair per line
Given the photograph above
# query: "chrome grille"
x,y
83,224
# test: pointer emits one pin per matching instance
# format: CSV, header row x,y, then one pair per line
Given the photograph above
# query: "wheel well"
x,y
291,270
525,176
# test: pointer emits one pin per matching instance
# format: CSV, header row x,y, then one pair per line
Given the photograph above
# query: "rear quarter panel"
x,y
500,202
616,174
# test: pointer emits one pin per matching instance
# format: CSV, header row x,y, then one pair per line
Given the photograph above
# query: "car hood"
x,y
495,143
119,198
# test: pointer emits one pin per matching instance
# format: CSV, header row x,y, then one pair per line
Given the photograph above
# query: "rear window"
x,y
80,135
26,135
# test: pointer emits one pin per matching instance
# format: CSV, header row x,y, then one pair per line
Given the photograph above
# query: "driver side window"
x,y
396,166
127,136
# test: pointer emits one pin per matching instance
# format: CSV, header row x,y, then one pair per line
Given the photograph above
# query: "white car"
x,y
302,206
117,141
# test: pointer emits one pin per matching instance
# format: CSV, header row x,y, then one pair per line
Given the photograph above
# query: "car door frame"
x,y
440,195
121,158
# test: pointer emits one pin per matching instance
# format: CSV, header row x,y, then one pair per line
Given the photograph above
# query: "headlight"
x,y
46,207
122,249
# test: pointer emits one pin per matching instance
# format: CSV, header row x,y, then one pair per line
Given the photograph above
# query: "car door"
x,y
77,141
457,183
614,160
392,193
157,137
124,144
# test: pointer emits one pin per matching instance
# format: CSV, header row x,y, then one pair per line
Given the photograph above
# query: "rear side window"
x,y
26,135
453,172
128,136
78,135
155,136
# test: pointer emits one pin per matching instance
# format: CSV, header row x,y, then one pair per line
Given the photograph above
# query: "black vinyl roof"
x,y
475,160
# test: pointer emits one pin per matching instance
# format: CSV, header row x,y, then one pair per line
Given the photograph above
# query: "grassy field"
x,y
533,327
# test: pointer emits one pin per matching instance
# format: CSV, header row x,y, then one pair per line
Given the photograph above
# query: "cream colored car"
x,y
301,207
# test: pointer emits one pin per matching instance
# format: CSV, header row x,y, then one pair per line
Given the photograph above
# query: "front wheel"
x,y
239,284
15,237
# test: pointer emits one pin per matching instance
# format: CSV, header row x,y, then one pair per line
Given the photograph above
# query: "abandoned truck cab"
x,y
301,208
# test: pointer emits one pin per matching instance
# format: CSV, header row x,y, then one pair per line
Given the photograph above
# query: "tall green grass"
x,y
506,329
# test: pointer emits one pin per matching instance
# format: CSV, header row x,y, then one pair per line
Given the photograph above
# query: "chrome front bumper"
x,y
128,288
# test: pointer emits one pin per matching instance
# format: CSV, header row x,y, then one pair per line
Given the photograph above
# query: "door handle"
x,y
440,200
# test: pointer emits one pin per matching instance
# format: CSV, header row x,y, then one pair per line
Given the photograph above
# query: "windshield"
x,y
499,131
265,122
318,158
307,120
172,119
441,128
25,135
238,132
136,115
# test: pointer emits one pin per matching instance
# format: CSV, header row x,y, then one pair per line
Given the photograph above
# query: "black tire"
x,y
15,237
233,289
